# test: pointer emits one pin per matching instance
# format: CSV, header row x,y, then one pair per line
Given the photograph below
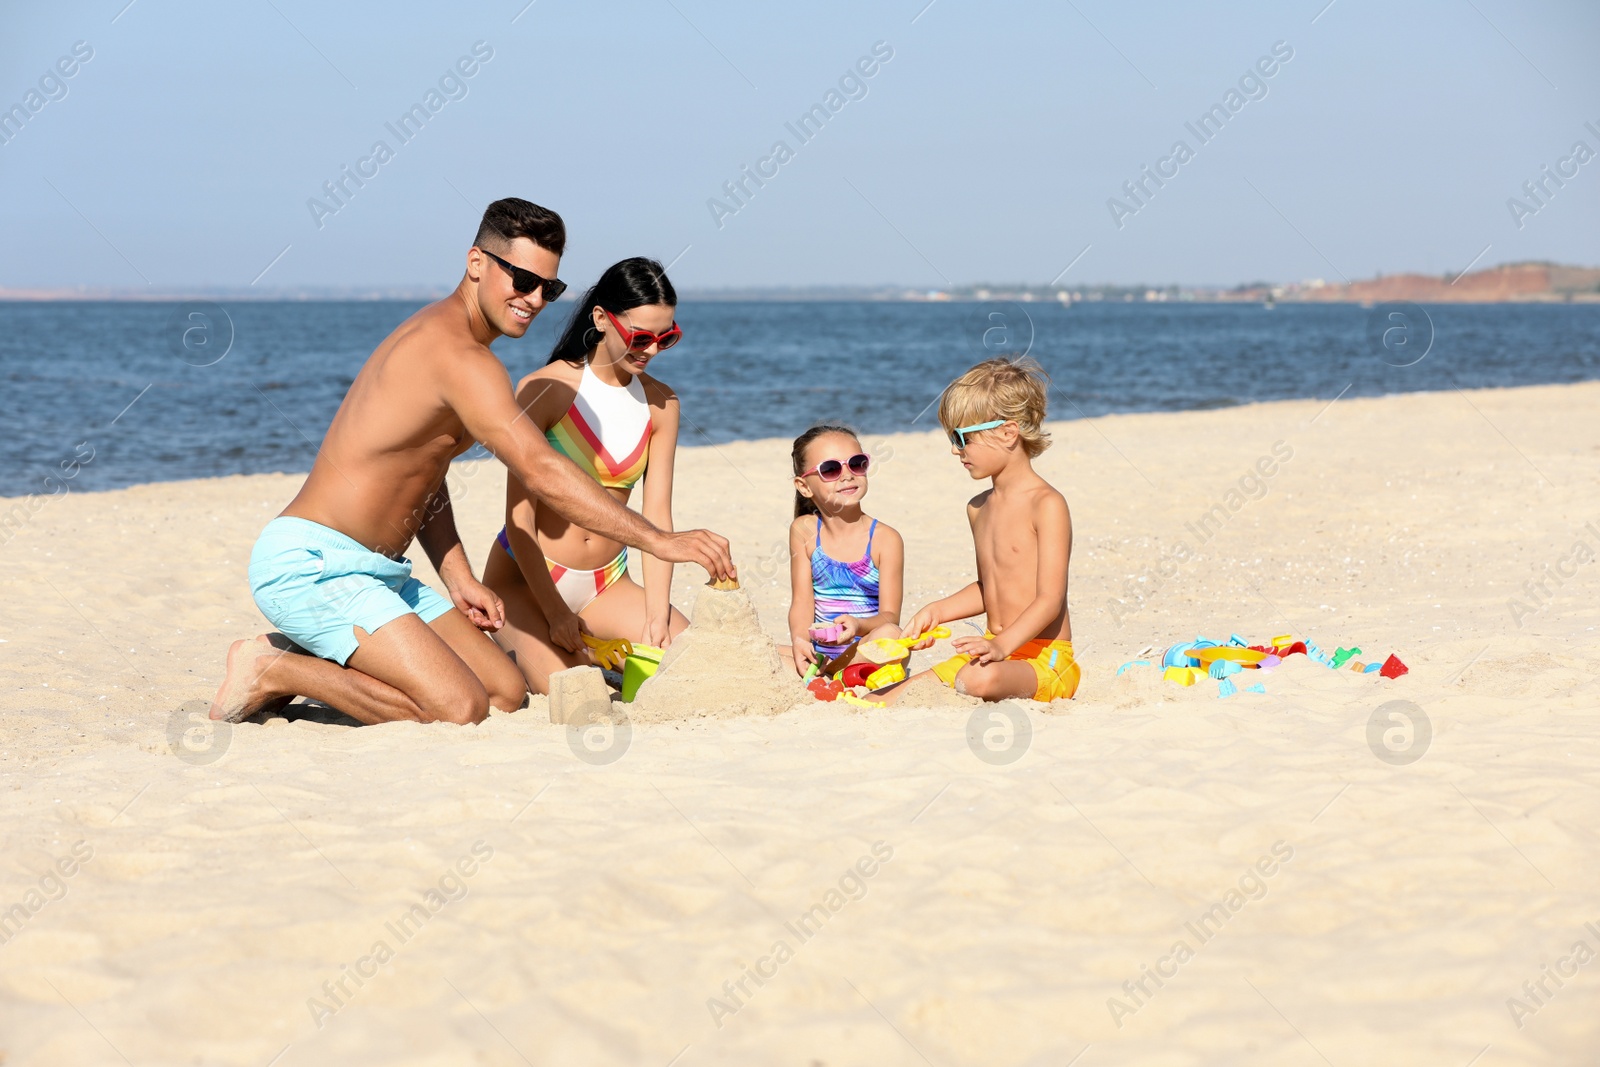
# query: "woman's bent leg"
x,y
526,634
619,613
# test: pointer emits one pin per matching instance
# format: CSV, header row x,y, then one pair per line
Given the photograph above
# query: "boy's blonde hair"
x,y
1015,390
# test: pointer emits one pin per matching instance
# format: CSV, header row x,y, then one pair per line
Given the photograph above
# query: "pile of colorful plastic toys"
x,y
852,684
1191,661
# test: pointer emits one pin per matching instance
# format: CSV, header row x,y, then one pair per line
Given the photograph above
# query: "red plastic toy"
x,y
1393,668
856,674
825,688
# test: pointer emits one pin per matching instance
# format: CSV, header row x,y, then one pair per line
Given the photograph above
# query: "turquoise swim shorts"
x,y
315,585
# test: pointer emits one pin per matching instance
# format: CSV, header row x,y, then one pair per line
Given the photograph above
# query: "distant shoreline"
x,y
690,296
1515,283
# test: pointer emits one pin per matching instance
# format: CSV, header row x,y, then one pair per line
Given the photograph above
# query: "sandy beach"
x,y
831,886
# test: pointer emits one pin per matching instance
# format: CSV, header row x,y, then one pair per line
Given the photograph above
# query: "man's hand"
x,y
475,600
981,649
567,632
695,546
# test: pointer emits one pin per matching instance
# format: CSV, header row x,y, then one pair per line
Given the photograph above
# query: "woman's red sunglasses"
x,y
831,470
639,340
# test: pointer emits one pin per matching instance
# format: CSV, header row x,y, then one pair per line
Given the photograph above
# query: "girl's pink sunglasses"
x,y
831,470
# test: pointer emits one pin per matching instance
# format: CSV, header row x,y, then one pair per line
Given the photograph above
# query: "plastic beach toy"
x,y
1244,657
1221,667
893,649
1393,668
828,635
1183,675
609,653
640,663
857,674
1177,655
825,689
887,675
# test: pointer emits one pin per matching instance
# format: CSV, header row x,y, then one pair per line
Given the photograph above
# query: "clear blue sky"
x,y
185,151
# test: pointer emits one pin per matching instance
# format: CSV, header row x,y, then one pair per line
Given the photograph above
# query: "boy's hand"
x,y
981,649
923,621
567,632
802,653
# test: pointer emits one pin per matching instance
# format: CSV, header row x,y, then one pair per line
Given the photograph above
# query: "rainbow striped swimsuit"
x,y
606,431
603,423
840,588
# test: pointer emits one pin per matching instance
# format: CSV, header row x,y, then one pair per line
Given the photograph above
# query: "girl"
x,y
596,405
861,597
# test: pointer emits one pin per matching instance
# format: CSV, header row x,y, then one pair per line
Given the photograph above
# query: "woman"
x,y
597,406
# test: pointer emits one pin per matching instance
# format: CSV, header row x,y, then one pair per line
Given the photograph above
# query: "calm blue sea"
x,y
71,370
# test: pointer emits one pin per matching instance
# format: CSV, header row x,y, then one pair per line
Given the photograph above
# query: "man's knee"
x,y
509,693
467,705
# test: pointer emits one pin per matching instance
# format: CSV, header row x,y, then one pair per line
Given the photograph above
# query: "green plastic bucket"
x,y
637,667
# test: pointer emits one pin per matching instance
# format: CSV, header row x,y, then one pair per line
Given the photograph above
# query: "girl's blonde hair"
x,y
1015,390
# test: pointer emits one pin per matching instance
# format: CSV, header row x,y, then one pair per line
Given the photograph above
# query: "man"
x,y
328,572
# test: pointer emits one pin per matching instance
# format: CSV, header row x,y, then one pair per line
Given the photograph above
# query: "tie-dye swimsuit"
x,y
606,432
840,588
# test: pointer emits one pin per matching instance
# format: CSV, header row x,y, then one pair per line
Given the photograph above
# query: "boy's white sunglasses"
x,y
958,436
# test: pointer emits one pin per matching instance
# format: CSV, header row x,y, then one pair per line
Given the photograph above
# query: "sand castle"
x,y
721,666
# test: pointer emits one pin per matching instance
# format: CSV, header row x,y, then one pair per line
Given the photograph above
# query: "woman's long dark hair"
x,y
804,505
632,283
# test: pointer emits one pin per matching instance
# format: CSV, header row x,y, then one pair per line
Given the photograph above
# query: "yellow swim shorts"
x,y
1052,661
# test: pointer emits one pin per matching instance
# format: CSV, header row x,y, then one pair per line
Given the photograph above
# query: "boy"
x,y
1022,532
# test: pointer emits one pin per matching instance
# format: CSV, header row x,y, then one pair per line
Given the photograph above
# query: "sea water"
x,y
164,391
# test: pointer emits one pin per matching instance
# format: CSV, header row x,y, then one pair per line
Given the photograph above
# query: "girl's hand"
x,y
567,632
981,649
802,653
849,628
658,632
921,623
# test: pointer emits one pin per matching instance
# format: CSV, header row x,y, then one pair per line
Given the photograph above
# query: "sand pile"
x,y
721,666
928,692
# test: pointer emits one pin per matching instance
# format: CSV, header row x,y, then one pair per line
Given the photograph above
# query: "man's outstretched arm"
x,y
480,393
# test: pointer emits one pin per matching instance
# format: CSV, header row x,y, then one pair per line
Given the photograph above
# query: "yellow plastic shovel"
x,y
893,649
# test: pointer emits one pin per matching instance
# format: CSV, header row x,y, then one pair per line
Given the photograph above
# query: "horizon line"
x,y
882,291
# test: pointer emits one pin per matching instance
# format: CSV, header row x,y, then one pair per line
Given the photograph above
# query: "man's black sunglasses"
x,y
525,281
